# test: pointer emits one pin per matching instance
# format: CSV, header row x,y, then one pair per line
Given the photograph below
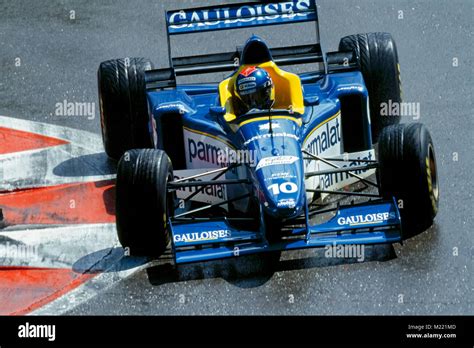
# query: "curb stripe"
x,y
90,202
23,289
12,141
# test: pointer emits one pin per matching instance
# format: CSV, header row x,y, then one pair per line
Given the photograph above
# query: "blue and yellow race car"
x,y
258,161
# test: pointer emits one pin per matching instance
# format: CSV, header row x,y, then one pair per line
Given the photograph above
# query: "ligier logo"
x,y
184,21
357,220
201,236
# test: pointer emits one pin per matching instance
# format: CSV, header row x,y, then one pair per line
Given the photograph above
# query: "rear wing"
x,y
242,15
235,16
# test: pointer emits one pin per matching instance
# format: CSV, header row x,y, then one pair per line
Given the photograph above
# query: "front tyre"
x,y
407,170
143,204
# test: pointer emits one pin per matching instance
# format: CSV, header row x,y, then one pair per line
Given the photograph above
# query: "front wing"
x,y
373,222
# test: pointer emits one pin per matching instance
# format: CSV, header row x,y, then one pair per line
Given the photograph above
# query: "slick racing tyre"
x,y
379,65
407,171
143,204
123,105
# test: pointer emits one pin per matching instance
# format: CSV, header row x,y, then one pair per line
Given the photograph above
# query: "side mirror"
x,y
217,111
311,101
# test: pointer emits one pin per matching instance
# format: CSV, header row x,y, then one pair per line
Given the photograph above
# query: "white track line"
x,y
80,247
84,248
87,140
82,160
53,166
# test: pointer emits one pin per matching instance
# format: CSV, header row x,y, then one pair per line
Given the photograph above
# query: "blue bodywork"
x,y
192,103
277,179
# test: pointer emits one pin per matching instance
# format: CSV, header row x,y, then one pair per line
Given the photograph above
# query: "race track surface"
x,y
47,57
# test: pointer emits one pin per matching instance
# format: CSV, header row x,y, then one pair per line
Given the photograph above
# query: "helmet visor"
x,y
258,99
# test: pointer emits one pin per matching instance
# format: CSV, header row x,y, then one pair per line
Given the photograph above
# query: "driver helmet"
x,y
254,87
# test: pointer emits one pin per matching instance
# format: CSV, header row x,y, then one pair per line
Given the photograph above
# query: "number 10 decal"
x,y
286,187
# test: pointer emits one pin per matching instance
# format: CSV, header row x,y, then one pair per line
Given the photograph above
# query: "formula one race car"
x,y
219,180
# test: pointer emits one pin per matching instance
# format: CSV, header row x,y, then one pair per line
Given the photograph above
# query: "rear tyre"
x,y
408,171
123,105
378,58
143,204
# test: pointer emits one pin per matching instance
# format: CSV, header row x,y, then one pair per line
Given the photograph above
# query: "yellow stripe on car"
x,y
298,121
321,124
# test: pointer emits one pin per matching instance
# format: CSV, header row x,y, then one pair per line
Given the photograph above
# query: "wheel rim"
x,y
433,171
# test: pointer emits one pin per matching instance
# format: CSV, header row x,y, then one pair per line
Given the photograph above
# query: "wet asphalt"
x,y
46,57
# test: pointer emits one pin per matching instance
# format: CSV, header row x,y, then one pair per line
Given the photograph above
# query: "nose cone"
x,y
280,180
278,172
